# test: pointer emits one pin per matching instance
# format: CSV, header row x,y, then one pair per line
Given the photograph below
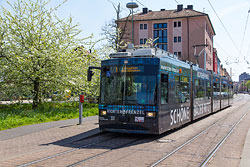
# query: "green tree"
x,y
38,52
248,85
113,33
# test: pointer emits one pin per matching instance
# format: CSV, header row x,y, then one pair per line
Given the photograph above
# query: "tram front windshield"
x,y
127,86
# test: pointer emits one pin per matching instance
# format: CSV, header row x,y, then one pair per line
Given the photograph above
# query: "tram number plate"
x,y
139,119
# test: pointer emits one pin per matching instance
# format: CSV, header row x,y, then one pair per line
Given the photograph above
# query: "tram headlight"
x,y
103,112
150,114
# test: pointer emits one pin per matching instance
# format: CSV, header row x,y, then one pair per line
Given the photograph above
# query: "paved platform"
x,y
245,156
17,142
25,130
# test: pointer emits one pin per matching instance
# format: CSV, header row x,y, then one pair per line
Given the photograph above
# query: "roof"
x,y
166,14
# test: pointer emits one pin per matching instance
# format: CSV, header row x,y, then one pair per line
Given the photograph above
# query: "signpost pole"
x,y
81,100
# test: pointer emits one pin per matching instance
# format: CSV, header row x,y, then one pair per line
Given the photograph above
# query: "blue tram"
x,y
150,91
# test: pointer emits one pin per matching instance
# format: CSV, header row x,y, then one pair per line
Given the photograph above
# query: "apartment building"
x,y
244,76
216,62
177,31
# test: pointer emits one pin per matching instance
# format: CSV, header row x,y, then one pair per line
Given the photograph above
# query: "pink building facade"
x,y
215,61
176,31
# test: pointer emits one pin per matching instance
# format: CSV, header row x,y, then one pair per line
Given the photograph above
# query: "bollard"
x,y
81,100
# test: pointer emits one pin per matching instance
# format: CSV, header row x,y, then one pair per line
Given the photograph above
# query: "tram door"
x,y
164,118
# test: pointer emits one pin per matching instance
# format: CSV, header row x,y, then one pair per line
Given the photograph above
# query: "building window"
x,y
141,41
141,26
175,53
179,24
165,33
179,39
175,39
156,33
165,47
179,54
161,35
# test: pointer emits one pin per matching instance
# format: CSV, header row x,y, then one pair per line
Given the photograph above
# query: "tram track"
x,y
105,152
181,146
218,145
153,139
216,148
70,150
91,145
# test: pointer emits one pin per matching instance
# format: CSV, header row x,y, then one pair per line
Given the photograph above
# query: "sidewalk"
x,y
19,142
245,156
25,130
16,143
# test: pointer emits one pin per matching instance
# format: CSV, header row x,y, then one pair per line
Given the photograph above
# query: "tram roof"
x,y
153,53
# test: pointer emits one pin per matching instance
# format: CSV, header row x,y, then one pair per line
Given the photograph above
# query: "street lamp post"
x,y
132,5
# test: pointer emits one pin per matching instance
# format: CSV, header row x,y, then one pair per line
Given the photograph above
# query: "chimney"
x,y
190,7
144,10
179,8
162,9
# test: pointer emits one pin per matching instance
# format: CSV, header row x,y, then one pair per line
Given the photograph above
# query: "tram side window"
x,y
177,88
227,90
199,88
184,85
208,88
182,89
224,91
230,91
216,90
164,89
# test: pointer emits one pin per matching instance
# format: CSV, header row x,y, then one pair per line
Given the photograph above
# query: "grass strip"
x,y
15,115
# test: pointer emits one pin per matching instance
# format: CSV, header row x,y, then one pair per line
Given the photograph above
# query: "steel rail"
x,y
105,152
181,146
216,148
87,145
189,141
64,152
97,155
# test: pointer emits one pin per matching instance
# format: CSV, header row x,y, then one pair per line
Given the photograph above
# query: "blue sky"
x,y
93,14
